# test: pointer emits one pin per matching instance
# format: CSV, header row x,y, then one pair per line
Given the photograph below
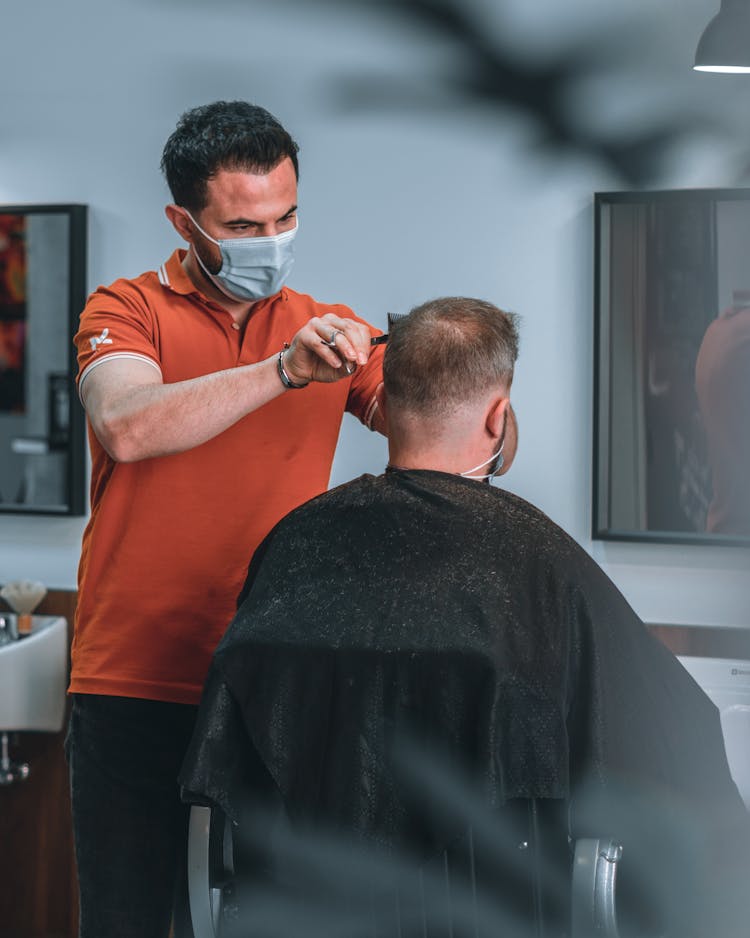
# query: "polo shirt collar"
x,y
172,275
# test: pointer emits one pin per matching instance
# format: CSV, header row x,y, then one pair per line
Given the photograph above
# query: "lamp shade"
x,y
725,43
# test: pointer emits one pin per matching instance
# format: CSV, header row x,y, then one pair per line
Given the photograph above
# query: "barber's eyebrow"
x,y
250,221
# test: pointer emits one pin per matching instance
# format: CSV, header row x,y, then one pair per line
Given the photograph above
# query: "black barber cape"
x,y
421,605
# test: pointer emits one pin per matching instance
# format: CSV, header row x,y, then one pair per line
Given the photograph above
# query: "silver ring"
x,y
331,343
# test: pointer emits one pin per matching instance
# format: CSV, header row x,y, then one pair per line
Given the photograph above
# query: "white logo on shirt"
x,y
100,340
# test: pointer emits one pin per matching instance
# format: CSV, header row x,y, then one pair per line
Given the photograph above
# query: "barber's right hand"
x,y
327,348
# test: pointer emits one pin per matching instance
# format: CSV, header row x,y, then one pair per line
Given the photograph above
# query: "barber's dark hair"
x,y
233,135
448,351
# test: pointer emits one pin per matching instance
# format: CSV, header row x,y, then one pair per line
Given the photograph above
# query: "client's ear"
x,y
495,419
501,423
510,440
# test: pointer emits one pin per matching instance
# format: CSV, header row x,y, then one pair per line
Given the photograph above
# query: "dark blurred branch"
x,y
493,75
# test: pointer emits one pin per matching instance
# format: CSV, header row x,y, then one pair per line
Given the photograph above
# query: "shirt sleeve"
x,y
361,401
115,323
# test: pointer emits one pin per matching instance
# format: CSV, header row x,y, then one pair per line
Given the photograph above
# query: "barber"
x,y
214,395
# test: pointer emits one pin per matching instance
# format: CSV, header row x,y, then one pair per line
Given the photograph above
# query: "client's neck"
x,y
446,442
439,462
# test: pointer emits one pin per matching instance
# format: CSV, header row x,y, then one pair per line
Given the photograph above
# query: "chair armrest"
x,y
594,878
205,900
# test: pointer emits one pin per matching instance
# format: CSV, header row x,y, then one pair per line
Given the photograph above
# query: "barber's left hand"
x,y
326,349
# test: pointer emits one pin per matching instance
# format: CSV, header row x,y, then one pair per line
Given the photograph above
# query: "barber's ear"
x,y
180,221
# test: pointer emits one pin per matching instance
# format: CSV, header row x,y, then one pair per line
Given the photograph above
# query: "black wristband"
x,y
285,379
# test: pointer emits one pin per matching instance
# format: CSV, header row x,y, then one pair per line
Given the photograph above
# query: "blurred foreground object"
x,y
23,596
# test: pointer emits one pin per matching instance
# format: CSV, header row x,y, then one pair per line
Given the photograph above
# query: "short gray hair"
x,y
447,352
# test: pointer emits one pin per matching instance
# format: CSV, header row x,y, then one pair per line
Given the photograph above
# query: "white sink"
x,y
34,677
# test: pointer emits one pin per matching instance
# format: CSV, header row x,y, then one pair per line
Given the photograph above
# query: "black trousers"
x,y
129,825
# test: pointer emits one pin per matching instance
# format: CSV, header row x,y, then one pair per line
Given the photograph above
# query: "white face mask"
x,y
251,268
496,464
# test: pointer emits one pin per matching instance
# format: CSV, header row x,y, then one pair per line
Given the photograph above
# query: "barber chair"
x,y
456,908
385,817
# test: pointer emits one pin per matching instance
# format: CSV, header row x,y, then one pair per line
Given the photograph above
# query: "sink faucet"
x,y
8,628
10,771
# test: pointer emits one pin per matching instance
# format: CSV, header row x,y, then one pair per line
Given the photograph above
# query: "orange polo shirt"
x,y
169,540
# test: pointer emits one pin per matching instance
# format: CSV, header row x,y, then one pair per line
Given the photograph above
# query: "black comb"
x,y
392,318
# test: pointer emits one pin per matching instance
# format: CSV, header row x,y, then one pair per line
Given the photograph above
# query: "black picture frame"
x,y
685,287
66,424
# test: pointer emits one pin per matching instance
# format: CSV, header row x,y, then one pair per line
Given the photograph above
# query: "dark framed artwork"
x,y
13,312
42,292
672,366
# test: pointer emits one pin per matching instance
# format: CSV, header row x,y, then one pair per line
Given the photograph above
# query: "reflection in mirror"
x,y
42,291
672,384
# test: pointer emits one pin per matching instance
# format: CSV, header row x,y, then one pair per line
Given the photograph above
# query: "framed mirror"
x,y
42,424
672,366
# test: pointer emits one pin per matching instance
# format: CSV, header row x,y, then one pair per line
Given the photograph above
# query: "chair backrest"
x,y
527,889
390,814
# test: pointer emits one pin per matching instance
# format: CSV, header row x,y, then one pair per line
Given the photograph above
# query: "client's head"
x,y
447,375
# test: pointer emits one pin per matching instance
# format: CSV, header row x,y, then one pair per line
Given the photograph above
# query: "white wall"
x,y
400,202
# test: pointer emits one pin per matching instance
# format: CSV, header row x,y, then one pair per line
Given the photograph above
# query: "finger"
x,y
352,339
332,362
338,358
313,344
342,345
331,342
330,355
309,342
348,364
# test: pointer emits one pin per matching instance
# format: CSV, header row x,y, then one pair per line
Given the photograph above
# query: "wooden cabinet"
x,y
38,889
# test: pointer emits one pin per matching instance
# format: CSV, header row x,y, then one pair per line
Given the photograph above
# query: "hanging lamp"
x,y
725,43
